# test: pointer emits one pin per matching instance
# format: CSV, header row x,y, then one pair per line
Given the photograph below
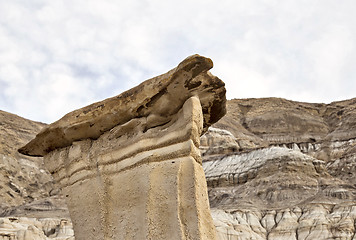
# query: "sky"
x,y
60,55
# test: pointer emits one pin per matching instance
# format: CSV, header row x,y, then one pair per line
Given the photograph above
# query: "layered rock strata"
x,y
279,193
279,169
157,99
130,166
23,228
23,179
29,205
293,201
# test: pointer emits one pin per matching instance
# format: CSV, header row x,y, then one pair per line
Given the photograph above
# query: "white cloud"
x,y
57,55
329,54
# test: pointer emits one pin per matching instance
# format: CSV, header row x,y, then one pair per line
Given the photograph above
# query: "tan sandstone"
x,y
130,166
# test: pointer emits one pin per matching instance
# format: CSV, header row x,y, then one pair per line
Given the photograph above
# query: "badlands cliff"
x,y
279,169
276,169
30,204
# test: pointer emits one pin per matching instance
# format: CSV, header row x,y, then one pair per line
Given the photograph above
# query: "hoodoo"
x,y
130,166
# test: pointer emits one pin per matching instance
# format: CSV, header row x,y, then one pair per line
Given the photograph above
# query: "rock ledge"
x,y
157,99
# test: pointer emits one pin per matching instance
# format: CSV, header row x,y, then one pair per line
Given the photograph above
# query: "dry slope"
x,y
22,178
276,169
279,169
30,207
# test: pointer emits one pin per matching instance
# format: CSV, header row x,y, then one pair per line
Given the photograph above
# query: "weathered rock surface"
x,y
28,194
288,189
156,99
22,228
325,131
310,222
23,179
275,121
279,169
130,166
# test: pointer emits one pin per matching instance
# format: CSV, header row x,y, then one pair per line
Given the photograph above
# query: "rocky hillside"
x,y
30,204
279,169
22,178
276,169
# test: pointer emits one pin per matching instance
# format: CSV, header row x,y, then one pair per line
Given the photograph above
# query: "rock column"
x,y
135,171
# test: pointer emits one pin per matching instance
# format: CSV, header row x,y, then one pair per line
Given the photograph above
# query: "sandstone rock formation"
x,y
156,99
279,169
22,228
130,166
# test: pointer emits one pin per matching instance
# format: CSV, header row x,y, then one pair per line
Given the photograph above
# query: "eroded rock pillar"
x,y
142,176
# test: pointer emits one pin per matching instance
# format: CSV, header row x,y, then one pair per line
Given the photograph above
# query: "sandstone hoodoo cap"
x,y
158,98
